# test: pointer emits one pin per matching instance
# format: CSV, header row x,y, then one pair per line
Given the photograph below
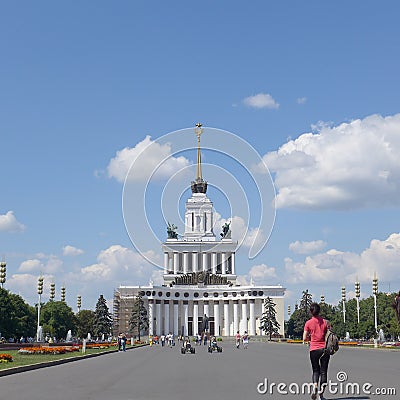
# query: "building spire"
x,y
198,131
199,185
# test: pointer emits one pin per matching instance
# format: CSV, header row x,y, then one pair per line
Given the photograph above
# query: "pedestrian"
x,y
123,342
237,339
245,340
314,331
162,337
205,339
119,342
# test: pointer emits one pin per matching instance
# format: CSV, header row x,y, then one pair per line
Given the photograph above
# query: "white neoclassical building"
x,y
199,280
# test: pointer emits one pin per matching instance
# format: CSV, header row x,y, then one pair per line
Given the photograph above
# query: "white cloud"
x,y
261,100
72,251
259,274
9,223
48,264
307,247
118,263
381,257
335,169
301,100
156,158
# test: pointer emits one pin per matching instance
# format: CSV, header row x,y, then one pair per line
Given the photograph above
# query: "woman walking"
x,y
314,332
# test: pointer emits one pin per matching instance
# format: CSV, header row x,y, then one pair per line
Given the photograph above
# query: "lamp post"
x,y
3,270
63,293
357,290
40,292
79,302
344,303
322,299
375,292
289,312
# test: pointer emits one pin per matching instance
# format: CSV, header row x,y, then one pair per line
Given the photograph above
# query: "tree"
x,y
84,323
139,319
303,312
17,318
269,324
102,321
57,318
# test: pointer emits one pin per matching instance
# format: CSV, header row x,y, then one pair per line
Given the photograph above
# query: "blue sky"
x,y
312,86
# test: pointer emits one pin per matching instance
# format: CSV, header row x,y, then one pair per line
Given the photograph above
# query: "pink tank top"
x,y
316,327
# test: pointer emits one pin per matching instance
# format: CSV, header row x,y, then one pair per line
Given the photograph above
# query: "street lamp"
x,y
40,292
289,312
344,303
375,292
63,293
52,291
322,299
357,290
79,302
3,270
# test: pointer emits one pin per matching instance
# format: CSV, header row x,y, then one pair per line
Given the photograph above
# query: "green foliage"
x,y
269,324
102,321
57,318
84,323
387,320
17,318
139,320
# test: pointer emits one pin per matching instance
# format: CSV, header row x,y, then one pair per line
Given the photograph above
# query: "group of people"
x,y
244,339
168,340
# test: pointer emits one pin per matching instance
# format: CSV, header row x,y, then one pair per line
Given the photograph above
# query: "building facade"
x,y
200,281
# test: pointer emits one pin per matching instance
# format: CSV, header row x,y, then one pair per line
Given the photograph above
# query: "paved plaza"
x,y
163,373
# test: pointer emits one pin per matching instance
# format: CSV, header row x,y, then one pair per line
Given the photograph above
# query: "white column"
x,y
176,317
194,262
186,316
223,263
166,262
158,317
166,317
185,262
176,262
233,262
252,331
205,263
216,318
206,308
195,317
226,318
235,316
214,263
151,318
244,317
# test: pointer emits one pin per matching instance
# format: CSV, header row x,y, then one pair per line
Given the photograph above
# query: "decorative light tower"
x,y
52,291
322,299
357,290
40,292
3,270
344,303
79,302
63,293
289,312
375,292
296,307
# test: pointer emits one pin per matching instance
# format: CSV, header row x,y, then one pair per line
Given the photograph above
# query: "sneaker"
x,y
314,395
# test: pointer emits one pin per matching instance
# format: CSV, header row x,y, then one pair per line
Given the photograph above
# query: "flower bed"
x,y
294,341
5,358
48,350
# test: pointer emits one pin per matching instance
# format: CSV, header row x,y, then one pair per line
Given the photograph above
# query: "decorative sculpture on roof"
x,y
171,231
226,231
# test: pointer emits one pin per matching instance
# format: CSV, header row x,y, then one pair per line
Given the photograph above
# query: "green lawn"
x,y
28,359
